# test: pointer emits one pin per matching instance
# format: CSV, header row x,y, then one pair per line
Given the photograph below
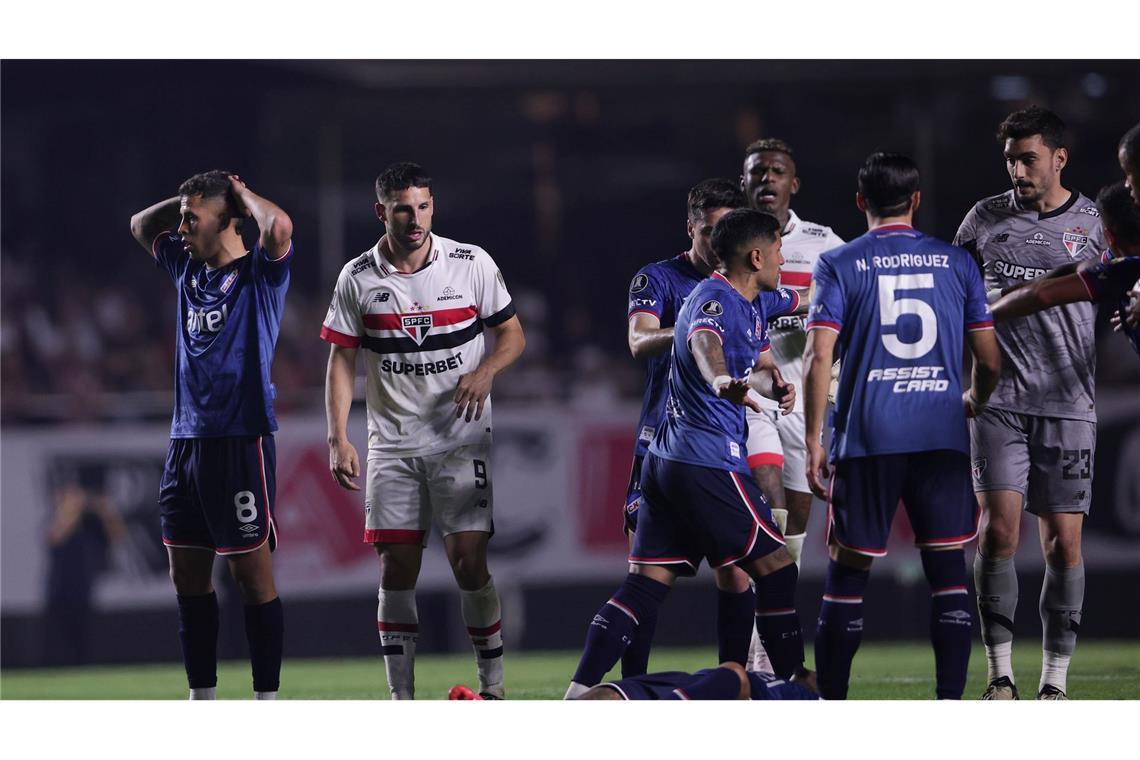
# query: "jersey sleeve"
x,y
833,240
1110,282
826,310
492,300
275,271
647,292
977,309
169,254
343,324
779,302
967,235
709,317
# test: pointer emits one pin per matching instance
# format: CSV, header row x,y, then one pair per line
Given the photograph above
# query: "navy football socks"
x,y
777,621
839,630
635,660
198,632
735,613
614,626
951,625
265,629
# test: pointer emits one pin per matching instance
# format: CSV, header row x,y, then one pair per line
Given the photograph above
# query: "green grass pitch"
x,y
1100,670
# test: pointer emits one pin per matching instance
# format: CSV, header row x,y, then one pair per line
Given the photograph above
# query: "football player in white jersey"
x,y
418,304
777,454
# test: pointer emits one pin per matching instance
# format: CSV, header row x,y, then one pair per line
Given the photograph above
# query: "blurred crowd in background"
x,y
572,174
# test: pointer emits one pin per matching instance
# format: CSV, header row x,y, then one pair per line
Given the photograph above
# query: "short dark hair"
x,y
740,227
401,176
214,184
769,145
1034,120
1130,144
1119,214
715,193
886,182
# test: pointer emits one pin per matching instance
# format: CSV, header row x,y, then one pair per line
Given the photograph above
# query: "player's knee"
x,y
190,581
731,579
1062,550
851,559
471,572
998,538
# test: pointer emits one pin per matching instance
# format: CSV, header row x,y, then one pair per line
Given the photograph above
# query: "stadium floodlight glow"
x,y
1009,88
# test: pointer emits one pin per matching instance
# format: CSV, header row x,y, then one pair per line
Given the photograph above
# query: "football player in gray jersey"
x,y
1033,445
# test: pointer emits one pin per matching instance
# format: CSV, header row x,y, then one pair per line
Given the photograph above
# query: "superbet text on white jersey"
x,y
421,332
802,243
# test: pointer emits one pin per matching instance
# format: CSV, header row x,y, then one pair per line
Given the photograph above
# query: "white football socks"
x,y
482,614
399,625
999,661
210,692
1054,670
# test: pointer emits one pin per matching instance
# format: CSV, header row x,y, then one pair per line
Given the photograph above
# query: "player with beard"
x,y
1034,445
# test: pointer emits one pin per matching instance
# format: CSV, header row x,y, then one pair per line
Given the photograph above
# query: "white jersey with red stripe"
x,y
422,331
803,242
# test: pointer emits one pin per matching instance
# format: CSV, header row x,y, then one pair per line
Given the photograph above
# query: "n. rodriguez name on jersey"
x,y
422,331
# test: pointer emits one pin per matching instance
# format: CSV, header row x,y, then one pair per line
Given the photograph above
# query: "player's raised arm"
x,y
275,226
1042,293
708,353
344,463
149,223
646,337
474,387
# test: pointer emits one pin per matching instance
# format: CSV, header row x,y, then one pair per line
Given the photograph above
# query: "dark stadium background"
x,y
572,174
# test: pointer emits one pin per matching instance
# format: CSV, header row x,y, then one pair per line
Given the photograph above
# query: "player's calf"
x,y
777,622
613,627
839,630
951,625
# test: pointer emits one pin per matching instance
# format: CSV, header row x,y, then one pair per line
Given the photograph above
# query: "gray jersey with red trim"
x,y
1048,358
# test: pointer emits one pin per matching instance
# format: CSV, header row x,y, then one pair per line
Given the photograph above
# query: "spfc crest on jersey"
x,y
1076,239
416,325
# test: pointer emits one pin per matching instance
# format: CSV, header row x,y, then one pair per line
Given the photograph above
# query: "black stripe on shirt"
x,y
432,342
500,317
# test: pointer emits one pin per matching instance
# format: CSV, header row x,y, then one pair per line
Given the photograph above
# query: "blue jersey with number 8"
x,y
901,302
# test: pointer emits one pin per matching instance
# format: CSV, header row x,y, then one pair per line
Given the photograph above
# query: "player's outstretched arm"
x,y
275,226
1042,293
474,387
986,372
343,460
818,360
708,353
647,338
151,222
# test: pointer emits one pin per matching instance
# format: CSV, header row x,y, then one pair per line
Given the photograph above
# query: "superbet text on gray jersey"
x,y
1048,358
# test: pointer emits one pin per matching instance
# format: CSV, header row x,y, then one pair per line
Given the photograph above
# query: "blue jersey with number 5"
x,y
901,302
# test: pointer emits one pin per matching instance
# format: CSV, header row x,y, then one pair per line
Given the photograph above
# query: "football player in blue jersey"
x,y
726,681
1107,282
898,305
218,489
655,297
699,501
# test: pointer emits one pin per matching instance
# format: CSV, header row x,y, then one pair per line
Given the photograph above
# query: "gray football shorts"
x,y
1048,460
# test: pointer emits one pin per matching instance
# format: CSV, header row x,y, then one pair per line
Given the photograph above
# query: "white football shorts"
x,y
403,497
778,440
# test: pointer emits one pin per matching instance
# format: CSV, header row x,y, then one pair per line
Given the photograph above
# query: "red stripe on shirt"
x,y
339,338
795,279
439,318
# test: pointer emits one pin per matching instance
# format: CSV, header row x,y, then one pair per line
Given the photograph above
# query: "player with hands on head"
x,y
418,303
899,307
218,489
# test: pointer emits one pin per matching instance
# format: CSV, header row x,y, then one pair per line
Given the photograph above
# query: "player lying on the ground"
x,y
1107,282
726,681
